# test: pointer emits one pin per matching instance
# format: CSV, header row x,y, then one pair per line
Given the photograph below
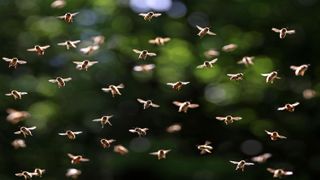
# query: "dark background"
x,y
246,23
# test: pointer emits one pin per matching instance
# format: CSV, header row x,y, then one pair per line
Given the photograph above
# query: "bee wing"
x,y
270,170
211,33
155,105
73,14
266,74
200,28
96,120
288,173
106,89
92,63
143,14
291,32
132,130
7,59
85,49
18,174
201,66
77,132
249,164
17,132
52,80
32,49
151,54
185,83
275,30
231,75
62,44
8,94
84,159
166,39
234,162
282,137
152,41
281,108
294,67
136,51
171,84
268,132
61,17
220,118
177,103
120,86
236,118
167,150
137,68
77,62
21,62
149,66
141,101
32,128
207,143
213,61
76,41
67,79
9,110
193,105
156,14
154,153
71,155
295,104
62,134
240,62
45,47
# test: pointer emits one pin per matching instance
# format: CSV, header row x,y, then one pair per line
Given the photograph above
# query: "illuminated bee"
x,y
113,89
39,172
104,120
147,103
39,49
174,128
271,76
211,53
300,70
207,64
149,15
16,94
84,65
13,62
16,116
205,148
139,131
143,54
60,81
241,164
283,32
73,173
70,134
229,47
274,135
236,77
68,17
106,143
289,107
204,31
25,131
144,67
25,174
159,41
228,119
69,44
120,149
184,106
177,85
279,173
246,60
77,159
89,49
161,154
98,40
18,143
261,158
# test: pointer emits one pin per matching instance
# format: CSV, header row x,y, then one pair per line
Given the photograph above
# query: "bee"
x,y
147,103
69,44
68,17
174,128
143,54
70,134
271,76
39,49
144,68
177,85
236,77
73,173
25,131
205,148
58,3
160,41
106,143
60,81
149,15
279,173
15,116
289,107
13,62
98,40
139,131
161,154
300,70
204,31
18,143
113,89
184,106
261,158
120,149
16,94
246,60
283,32
211,53
84,65
274,135
25,174
89,49
241,164
309,93
104,120
229,47
207,64
228,119
39,172
77,159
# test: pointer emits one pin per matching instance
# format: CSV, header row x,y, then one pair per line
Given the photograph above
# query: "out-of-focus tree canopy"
x,y
246,23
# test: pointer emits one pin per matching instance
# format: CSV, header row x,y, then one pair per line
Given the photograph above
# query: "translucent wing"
x,y
96,120
45,47
143,14
220,118
32,49
275,30
62,134
7,59
120,86
213,61
234,162
106,89
265,74
155,105
141,101
270,170
200,28
211,33
288,173
193,105
152,54
157,14
281,108
21,62
268,132
136,51
177,103
67,79
52,80
77,132
71,155
73,14
77,62
62,44
291,31
295,104
32,128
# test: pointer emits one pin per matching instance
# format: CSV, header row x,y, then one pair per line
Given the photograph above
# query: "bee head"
x,y
150,13
69,132
229,118
68,15
206,28
85,62
37,47
144,52
15,59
